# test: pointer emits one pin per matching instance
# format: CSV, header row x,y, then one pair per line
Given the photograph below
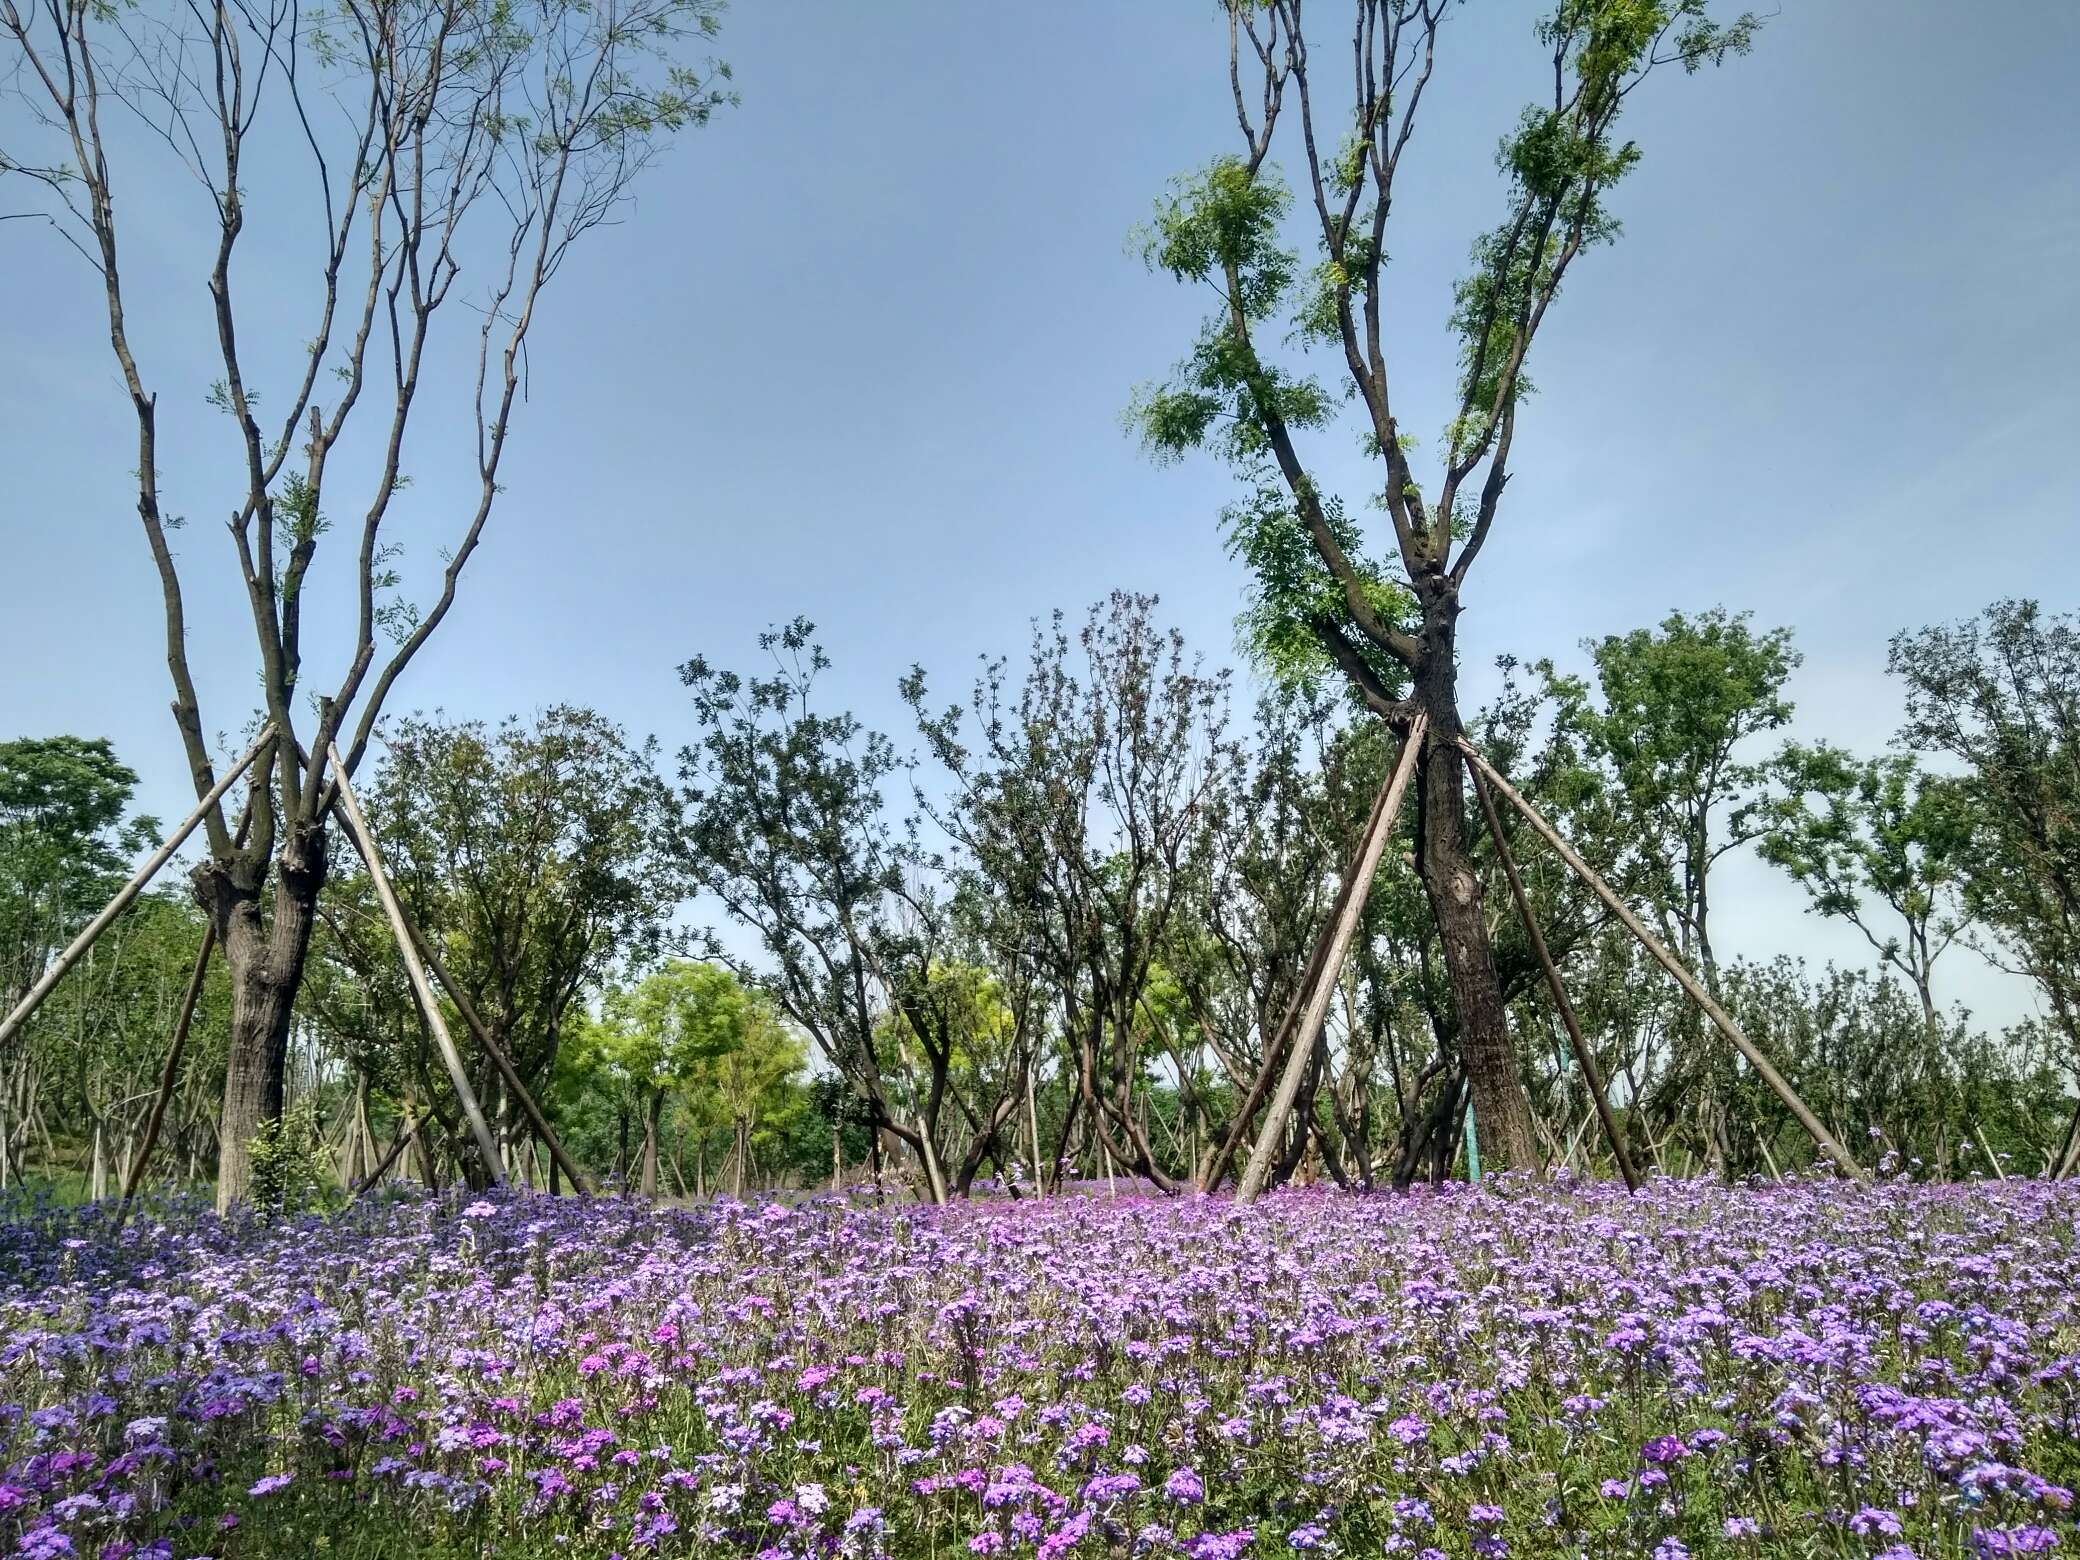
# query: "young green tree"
x,y
535,858
2000,695
754,1087
64,845
1859,834
1670,722
1671,712
435,144
1387,618
687,1026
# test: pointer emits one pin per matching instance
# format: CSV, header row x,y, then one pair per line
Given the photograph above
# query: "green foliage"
x,y
1225,228
684,1022
291,1171
787,828
1561,163
2000,696
63,846
1860,1050
1292,594
1222,228
1673,710
692,1050
1851,831
536,857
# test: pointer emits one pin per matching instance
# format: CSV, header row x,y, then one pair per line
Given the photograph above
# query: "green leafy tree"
x,y
1670,722
685,1027
90,1062
789,828
1999,695
1670,714
754,1088
1386,617
536,857
1940,1098
63,845
1863,834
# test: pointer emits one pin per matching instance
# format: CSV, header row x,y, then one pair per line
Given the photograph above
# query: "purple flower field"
x,y
1702,1371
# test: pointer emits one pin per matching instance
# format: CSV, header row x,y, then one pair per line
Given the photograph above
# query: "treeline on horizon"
x,y
1058,925
1074,902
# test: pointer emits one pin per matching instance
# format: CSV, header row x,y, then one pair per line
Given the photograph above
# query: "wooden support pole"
x,y
12,1024
1999,1174
411,1130
176,1047
1592,1075
1301,1055
357,827
1033,1121
935,1178
1222,1155
2068,1159
499,1059
1774,1080
169,1074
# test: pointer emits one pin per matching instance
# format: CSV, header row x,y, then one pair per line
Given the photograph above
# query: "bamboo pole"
x,y
1222,1154
169,1073
1723,1020
357,827
1033,1121
499,1059
1592,1075
1992,1158
411,1131
1301,1056
2068,1159
935,1178
1768,1158
12,1024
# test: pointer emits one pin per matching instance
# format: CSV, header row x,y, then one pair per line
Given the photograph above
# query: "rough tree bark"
x,y
264,954
1453,890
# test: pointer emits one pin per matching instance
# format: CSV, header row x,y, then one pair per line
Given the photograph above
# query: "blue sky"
x,y
861,349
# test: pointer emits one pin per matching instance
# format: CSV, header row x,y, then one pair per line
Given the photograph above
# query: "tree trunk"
x,y
652,1110
1500,1109
265,960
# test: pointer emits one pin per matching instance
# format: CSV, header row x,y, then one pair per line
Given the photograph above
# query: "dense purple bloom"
x,y
1185,1487
1058,1379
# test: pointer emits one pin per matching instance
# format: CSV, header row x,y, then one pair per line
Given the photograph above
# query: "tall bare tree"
x,y
434,139
1389,621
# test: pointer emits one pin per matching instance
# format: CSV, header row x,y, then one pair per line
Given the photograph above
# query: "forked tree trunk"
x,y
264,956
1500,1109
